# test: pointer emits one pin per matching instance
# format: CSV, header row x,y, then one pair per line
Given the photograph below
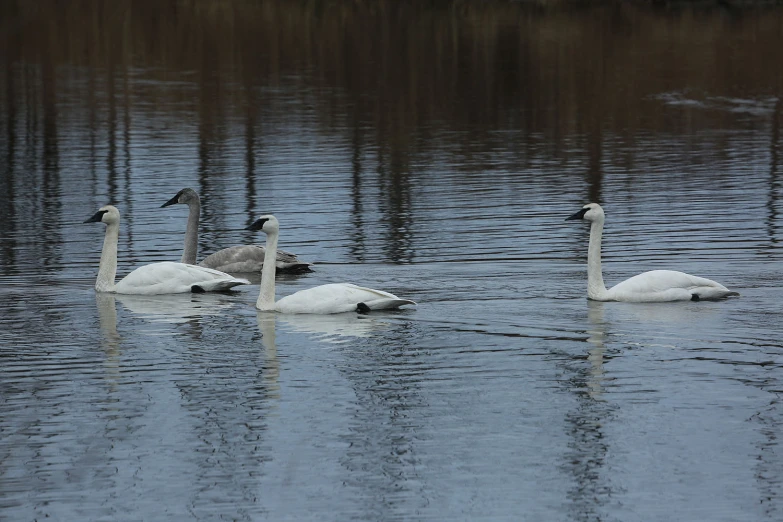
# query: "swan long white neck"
x,y
107,269
266,298
595,279
190,253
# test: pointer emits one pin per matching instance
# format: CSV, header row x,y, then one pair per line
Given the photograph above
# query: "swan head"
x,y
108,214
590,212
184,196
267,224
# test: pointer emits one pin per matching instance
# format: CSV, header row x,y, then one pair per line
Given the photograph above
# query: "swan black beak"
x,y
172,201
578,215
97,217
258,224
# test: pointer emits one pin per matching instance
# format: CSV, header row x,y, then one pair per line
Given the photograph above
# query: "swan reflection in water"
x,y
271,369
657,315
656,318
175,308
333,328
110,338
595,354
336,329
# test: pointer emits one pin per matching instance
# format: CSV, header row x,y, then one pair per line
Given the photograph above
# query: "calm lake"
x,y
430,149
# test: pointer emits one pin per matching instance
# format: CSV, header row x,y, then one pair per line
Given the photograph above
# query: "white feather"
x,y
666,285
168,277
336,298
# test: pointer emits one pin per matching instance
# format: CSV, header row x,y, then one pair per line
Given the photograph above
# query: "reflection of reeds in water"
x,y
403,81
414,63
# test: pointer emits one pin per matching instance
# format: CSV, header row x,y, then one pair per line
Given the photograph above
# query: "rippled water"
x,y
505,395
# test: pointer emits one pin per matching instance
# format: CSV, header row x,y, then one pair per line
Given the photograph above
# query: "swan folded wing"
x,y
667,285
241,258
387,303
173,278
249,258
338,298
286,257
380,300
371,291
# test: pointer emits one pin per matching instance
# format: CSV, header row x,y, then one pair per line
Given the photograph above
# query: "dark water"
x,y
432,149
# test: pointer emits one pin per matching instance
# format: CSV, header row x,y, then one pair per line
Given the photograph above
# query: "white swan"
x,y
241,258
653,286
325,299
155,278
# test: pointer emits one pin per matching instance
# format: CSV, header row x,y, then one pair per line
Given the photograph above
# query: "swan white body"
x,y
240,258
325,299
653,286
155,278
336,298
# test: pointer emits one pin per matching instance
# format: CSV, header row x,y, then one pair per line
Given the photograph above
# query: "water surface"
x,y
433,151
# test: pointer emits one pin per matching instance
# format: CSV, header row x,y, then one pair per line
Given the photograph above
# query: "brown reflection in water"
x,y
208,114
358,248
7,192
30,139
51,186
563,70
774,172
250,124
403,73
394,203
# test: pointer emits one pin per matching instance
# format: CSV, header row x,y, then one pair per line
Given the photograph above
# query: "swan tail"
x,y
387,303
299,267
218,285
711,293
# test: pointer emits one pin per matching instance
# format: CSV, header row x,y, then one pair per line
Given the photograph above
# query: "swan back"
x,y
250,258
337,298
667,285
175,278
